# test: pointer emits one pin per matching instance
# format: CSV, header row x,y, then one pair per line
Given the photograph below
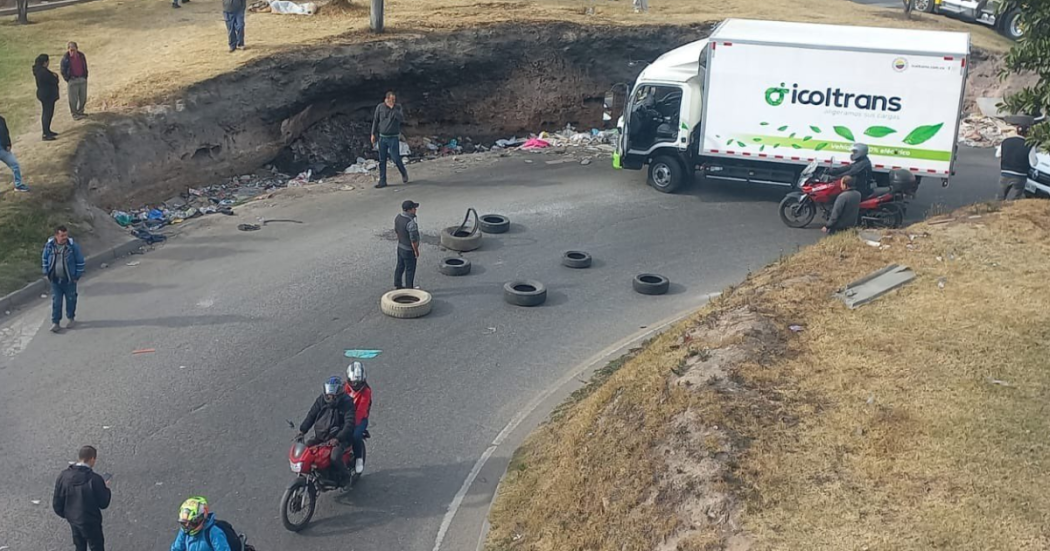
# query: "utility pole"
x,y
377,16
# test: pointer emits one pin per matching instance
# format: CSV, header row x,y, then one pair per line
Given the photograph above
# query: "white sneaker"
x,y
360,466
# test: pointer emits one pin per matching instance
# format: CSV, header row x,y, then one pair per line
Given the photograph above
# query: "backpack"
x,y
235,542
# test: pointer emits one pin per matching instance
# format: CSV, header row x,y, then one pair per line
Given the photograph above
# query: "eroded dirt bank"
x,y
485,83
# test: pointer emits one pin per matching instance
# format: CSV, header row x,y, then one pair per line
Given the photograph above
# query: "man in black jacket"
x,y
859,169
80,496
8,158
845,213
386,134
1016,158
332,418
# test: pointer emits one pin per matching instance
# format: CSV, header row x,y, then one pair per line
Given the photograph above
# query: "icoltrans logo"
x,y
831,97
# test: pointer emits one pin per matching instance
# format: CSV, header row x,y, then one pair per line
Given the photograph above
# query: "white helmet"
x,y
355,375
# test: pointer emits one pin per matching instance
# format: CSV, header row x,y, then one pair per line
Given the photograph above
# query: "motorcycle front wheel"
x,y
298,504
797,212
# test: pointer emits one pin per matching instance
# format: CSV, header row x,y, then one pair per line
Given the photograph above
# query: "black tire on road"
x,y
576,259
494,223
525,292
651,284
667,174
455,239
1010,24
300,488
406,303
796,215
454,266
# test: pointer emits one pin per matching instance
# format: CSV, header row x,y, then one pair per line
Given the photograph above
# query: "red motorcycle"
x,y
314,474
884,208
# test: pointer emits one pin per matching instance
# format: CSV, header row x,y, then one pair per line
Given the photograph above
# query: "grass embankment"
x,y
918,421
144,52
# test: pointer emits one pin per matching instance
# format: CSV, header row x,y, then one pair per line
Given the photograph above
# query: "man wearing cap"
x,y
407,246
1016,158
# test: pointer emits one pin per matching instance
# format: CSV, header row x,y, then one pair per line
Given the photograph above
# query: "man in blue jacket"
x,y
63,264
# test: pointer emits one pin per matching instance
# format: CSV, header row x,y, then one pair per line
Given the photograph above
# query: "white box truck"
x,y
758,100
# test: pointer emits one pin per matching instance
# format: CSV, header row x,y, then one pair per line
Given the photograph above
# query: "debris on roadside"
x,y
876,284
981,131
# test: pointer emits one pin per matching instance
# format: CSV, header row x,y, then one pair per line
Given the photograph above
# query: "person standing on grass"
x,y
1016,158
8,158
407,231
80,496
386,130
74,69
233,12
175,3
46,93
63,264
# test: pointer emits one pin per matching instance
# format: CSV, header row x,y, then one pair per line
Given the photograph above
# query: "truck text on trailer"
x,y
758,100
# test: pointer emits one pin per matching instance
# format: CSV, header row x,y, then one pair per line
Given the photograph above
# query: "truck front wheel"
x,y
667,174
1010,25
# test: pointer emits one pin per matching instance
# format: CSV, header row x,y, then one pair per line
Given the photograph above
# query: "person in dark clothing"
x,y
80,496
407,231
74,71
47,93
8,158
845,213
233,13
62,264
386,131
1016,158
332,418
175,3
859,169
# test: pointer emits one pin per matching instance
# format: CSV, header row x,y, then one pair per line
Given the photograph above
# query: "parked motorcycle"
x,y
314,474
884,208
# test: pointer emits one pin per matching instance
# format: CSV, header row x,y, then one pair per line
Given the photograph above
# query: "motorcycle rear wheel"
x,y
300,496
887,216
796,214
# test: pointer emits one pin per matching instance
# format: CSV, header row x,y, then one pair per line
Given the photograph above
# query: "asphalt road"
x,y
246,326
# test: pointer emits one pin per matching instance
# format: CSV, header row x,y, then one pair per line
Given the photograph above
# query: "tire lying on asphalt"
x,y
651,284
576,259
454,266
456,239
525,292
494,223
406,303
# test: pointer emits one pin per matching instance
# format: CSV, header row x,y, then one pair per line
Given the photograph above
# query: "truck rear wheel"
x,y
667,174
1010,25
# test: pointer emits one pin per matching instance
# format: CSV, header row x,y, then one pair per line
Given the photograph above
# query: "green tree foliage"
x,y
1032,54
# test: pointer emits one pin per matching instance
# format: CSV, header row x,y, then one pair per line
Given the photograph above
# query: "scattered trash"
x,y
43,296
133,263
248,227
941,281
489,331
528,160
876,284
286,7
362,166
149,237
103,265
585,162
871,399
362,354
158,483
145,351
981,131
299,181
796,328
182,367
535,143
35,501
998,382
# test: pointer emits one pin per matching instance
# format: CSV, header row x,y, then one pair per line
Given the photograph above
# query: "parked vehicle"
x,y
884,208
1038,184
314,474
1002,15
758,100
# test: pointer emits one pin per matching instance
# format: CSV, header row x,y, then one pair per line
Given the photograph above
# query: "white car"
x,y
1038,184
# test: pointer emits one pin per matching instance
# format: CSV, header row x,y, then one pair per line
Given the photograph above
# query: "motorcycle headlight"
x,y
297,466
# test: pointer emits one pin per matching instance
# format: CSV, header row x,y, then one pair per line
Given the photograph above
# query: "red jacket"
x,y
362,401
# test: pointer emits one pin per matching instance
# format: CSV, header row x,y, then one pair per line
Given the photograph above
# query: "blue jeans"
x,y
63,290
390,148
9,159
359,438
235,27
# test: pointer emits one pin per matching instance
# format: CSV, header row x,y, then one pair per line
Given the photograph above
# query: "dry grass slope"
x,y
916,422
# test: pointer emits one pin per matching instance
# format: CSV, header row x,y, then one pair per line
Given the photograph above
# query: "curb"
x,y
26,294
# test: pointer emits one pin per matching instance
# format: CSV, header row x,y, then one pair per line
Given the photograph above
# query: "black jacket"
x,y
333,419
387,121
845,213
5,135
46,84
80,496
1014,154
861,172
65,67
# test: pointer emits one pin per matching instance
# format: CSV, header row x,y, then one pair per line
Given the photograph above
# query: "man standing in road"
x,y
75,72
80,496
846,212
233,12
1016,158
8,158
63,264
407,246
386,131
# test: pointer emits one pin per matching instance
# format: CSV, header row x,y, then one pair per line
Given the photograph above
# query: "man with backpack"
x,y
200,531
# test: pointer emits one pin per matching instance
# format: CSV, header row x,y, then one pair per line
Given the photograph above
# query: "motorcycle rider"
x,y
198,532
361,394
846,212
859,169
332,418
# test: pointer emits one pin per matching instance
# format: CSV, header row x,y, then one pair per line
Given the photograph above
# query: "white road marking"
x,y
457,501
16,337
